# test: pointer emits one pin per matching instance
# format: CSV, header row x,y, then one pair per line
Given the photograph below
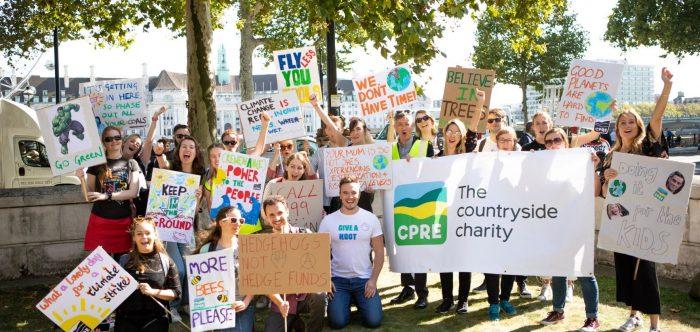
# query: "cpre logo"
x,y
420,213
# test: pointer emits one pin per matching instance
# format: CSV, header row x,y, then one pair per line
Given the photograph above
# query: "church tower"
x,y
222,75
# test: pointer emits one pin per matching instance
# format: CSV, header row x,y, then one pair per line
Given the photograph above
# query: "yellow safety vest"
x,y
419,149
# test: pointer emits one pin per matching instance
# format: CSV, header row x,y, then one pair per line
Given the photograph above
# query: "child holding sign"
x,y
636,280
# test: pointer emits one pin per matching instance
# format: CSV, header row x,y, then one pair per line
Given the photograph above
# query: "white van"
x,y
23,159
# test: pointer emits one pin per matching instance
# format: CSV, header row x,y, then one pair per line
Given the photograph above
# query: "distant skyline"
x,y
160,51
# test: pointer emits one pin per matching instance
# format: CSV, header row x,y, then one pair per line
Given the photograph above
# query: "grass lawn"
x,y
679,312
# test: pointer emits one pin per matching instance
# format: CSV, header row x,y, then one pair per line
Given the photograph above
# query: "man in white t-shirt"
x,y
355,235
494,122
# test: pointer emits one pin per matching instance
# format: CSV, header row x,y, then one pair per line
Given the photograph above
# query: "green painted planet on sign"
x,y
398,79
380,162
598,104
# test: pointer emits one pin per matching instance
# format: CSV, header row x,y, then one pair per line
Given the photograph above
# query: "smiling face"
x,y
627,127
349,196
188,151
357,134
132,146
286,148
144,237
215,157
277,216
180,134
675,183
424,126
295,169
404,129
540,125
506,142
614,210
494,123
554,141
232,223
453,136
112,140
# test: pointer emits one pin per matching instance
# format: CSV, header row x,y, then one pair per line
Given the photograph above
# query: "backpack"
x,y
482,144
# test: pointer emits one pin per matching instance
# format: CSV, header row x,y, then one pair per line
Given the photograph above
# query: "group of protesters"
x,y
119,191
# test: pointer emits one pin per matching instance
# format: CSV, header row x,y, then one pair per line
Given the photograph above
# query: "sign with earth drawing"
x,y
589,91
369,163
385,91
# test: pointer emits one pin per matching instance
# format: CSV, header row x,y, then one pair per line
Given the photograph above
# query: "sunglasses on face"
x,y
451,133
422,118
556,140
497,120
235,220
109,139
181,136
286,147
231,143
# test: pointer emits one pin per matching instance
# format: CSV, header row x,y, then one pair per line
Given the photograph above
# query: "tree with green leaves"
x,y
525,57
672,25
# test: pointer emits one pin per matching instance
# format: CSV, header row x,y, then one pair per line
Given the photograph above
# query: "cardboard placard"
x,y
304,200
172,203
95,288
459,98
120,103
71,136
212,287
589,91
385,91
370,163
646,207
286,118
297,71
284,263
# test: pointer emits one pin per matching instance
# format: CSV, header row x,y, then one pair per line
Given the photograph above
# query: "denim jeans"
x,y
348,291
244,320
589,287
177,251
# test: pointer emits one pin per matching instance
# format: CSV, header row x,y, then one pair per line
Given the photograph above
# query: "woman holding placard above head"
x,y
111,187
641,292
556,139
224,235
157,277
459,140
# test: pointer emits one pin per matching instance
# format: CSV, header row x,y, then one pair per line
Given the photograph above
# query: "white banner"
x,y
370,163
518,213
286,118
212,286
645,207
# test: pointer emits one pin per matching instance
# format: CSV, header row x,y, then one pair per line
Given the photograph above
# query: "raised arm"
x,y
148,142
655,122
391,131
578,141
481,99
337,132
260,144
159,150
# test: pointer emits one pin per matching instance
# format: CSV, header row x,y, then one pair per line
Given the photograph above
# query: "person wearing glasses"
x,y
494,122
111,187
283,149
230,140
224,235
426,130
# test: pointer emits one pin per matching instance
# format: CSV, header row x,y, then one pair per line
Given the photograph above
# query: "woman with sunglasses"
x,y
224,235
229,139
426,130
495,120
459,139
157,277
111,187
556,139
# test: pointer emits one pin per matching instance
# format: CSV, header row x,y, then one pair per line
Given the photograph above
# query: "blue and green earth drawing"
x,y
398,79
598,104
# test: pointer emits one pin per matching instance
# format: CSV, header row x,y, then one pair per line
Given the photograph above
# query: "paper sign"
x,y
297,71
212,288
284,263
239,182
385,91
589,91
304,200
71,136
645,207
172,203
120,103
459,98
498,203
95,288
287,119
369,163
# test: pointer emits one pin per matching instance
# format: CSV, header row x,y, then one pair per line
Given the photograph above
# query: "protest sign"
x,y
297,71
286,118
498,203
284,263
645,207
212,288
70,135
120,103
95,288
304,200
369,163
589,91
172,203
386,90
459,98
239,182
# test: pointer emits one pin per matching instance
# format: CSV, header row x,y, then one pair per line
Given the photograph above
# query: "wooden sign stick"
x,y
83,188
636,268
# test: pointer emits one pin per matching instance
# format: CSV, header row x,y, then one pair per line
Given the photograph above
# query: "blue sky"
x,y
160,51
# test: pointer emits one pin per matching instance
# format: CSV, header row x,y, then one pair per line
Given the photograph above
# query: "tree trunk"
x,y
523,88
201,114
248,45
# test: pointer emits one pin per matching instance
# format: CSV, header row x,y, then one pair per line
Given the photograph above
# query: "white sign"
x,y
120,103
518,213
172,203
645,207
297,71
386,90
287,119
71,136
212,285
370,163
95,288
589,91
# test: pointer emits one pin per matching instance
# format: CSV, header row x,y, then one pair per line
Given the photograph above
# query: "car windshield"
x,y
33,154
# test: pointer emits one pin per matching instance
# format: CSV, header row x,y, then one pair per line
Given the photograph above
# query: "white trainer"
x,y
570,293
545,293
631,324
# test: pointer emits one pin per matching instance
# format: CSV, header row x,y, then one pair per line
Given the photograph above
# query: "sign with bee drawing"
x,y
212,286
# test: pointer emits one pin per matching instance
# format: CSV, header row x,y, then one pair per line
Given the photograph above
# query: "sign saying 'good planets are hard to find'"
x,y
297,71
385,91
370,163
212,290
493,209
645,207
172,203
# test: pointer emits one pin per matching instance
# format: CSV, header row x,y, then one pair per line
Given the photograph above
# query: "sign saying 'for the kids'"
x,y
297,71
386,90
